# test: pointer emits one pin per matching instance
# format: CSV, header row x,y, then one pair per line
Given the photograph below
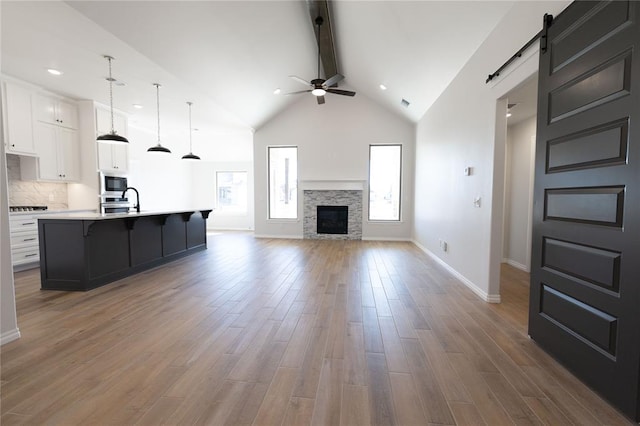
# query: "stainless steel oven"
x,y
117,204
112,185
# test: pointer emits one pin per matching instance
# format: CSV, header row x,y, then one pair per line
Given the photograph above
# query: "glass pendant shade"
x,y
158,149
112,136
190,155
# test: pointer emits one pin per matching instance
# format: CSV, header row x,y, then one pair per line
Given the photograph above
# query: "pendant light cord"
x,y
190,130
158,107
109,58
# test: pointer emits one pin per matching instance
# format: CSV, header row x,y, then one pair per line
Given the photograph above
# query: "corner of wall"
x,y
487,297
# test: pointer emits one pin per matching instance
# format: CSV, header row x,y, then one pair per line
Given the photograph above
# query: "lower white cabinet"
x,y
24,239
58,155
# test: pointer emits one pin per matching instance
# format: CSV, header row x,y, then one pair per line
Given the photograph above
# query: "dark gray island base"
x,y
84,251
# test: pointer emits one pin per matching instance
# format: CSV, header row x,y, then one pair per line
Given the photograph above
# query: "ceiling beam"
x,y
326,42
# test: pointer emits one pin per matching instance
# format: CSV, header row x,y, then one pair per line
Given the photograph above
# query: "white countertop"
x,y
48,212
105,216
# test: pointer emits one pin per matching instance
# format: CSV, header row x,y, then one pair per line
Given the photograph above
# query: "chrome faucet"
x,y
137,206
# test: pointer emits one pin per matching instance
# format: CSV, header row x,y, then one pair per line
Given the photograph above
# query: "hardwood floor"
x,y
291,332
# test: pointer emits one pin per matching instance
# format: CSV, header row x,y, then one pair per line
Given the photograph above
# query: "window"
x,y
283,182
385,165
231,188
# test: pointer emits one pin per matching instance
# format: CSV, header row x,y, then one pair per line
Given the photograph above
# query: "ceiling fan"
x,y
320,87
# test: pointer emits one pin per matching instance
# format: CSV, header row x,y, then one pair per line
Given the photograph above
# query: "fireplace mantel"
x,y
333,185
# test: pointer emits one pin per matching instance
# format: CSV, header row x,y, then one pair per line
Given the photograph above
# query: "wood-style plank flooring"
x,y
286,332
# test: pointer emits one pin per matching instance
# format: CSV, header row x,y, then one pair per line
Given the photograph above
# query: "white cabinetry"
x,y
58,155
18,119
24,239
112,156
103,122
56,111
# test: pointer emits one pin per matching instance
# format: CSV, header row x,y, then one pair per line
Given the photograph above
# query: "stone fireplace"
x,y
341,195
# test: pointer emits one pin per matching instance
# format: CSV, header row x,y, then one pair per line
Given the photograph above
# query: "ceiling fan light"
x,y
318,92
112,137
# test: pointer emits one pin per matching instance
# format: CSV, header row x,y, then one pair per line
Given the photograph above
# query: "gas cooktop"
x,y
26,208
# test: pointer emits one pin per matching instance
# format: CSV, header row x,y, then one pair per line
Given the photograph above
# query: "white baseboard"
x,y
283,237
9,336
387,239
490,298
516,265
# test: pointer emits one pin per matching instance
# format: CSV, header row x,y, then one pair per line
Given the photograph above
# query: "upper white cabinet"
x,y
103,122
18,119
58,155
56,111
112,156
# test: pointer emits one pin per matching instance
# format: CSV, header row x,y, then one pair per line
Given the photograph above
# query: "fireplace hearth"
x,y
332,219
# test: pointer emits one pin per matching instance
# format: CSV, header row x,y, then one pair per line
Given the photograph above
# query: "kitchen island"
x,y
82,251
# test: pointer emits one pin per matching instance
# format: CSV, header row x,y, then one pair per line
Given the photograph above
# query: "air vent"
x,y
405,103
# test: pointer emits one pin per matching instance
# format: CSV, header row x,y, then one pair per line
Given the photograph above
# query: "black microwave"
x,y
112,184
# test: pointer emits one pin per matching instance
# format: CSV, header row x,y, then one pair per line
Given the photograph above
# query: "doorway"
x,y
519,165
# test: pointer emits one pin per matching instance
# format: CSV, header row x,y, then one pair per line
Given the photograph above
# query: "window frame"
x,y
269,216
400,185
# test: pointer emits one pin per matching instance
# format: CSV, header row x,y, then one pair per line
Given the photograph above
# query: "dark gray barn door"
x,y
585,278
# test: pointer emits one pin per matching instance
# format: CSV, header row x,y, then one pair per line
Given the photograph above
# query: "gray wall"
x,y
520,150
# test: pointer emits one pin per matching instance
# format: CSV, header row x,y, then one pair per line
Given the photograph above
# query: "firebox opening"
x,y
332,219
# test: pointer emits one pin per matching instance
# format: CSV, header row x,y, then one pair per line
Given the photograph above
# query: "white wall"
x,y
520,150
459,130
204,180
8,321
167,182
333,144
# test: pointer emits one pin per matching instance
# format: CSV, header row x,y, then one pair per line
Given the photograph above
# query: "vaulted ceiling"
x,y
228,57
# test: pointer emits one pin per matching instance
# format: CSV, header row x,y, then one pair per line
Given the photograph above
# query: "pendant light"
x,y
158,149
112,137
190,155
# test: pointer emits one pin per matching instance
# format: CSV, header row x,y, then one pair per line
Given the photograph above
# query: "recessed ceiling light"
x,y
137,106
119,83
508,114
383,87
277,91
54,71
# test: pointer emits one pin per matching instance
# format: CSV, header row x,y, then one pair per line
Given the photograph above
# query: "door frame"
x,y
515,75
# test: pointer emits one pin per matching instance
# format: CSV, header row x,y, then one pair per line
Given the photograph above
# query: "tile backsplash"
x,y
32,193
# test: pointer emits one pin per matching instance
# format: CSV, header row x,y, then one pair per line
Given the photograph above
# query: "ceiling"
x,y
228,57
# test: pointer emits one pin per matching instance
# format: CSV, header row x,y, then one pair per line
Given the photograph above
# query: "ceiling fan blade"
x,y
341,92
300,80
333,80
320,100
298,92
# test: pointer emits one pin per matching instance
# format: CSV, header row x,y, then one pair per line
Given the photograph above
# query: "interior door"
x,y
585,278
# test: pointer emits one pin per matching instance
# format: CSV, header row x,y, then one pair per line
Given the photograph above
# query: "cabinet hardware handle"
x,y
13,145
31,255
29,223
29,239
